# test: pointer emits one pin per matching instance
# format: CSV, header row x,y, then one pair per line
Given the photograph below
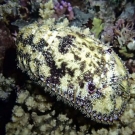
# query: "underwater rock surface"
x,y
71,64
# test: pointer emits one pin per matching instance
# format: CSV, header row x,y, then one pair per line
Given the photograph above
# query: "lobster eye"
x,y
91,87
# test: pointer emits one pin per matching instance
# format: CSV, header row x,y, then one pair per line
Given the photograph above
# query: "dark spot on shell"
x,y
96,55
52,80
65,43
81,84
103,61
88,76
83,43
40,45
92,48
109,50
82,65
104,85
48,58
71,86
100,50
79,48
70,72
87,55
27,41
97,71
91,87
77,57
80,35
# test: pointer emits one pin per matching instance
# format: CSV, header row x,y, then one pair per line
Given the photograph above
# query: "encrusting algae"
x,y
71,64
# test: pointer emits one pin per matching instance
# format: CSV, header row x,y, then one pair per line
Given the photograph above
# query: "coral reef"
x,y
36,113
46,9
124,33
56,10
8,9
97,27
6,87
63,7
121,35
131,65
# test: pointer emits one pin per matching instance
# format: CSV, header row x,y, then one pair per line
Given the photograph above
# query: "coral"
x,y
58,119
131,65
124,32
8,9
56,10
97,27
46,9
124,52
121,36
108,34
36,121
63,7
131,45
132,82
13,10
6,87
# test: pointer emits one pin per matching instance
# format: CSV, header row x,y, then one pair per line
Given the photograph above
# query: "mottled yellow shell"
x,y
76,67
